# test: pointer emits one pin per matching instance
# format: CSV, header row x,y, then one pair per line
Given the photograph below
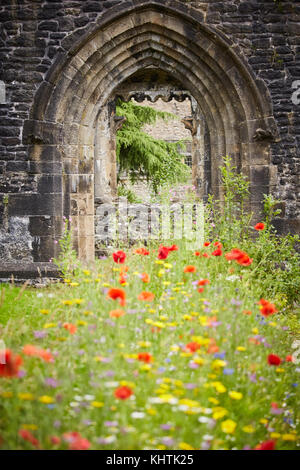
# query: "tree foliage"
x,y
141,155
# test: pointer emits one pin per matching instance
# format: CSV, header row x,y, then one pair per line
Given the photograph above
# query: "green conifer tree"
x,y
141,155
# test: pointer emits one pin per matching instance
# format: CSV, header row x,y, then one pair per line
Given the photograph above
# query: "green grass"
x,y
179,404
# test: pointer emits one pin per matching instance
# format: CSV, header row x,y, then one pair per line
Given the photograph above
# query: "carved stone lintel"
x,y
263,134
118,122
190,124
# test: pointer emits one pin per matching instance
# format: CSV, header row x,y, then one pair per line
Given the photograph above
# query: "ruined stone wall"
x,y
174,129
34,32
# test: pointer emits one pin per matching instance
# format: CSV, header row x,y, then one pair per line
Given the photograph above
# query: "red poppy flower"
x,y
145,357
266,445
206,243
192,347
197,253
200,289
239,256
145,278
31,350
259,226
212,347
163,252
70,327
205,255
289,358
203,282
122,278
123,393
76,441
55,440
116,313
173,248
266,308
12,363
119,257
142,251
274,360
217,252
29,437
115,294
218,244
189,269
247,312
149,296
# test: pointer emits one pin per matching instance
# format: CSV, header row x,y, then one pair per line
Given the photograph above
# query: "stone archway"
x,y
61,129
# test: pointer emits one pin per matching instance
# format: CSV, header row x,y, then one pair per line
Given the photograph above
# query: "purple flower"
x,y
228,371
21,373
166,427
51,382
190,386
168,441
111,424
220,355
40,334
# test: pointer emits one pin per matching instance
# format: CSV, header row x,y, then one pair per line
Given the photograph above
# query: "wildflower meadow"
x,y
159,346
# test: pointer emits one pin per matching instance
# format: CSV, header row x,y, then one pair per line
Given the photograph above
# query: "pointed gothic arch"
x,y
163,35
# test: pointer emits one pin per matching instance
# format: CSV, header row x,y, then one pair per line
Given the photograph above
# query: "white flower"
x,y
137,415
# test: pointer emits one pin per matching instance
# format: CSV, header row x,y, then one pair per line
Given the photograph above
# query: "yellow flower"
x,y
87,312
44,311
235,395
218,364
78,301
289,437
241,348
185,446
46,399
187,317
6,394
228,426
168,265
25,396
255,331
159,261
145,367
50,325
74,284
81,323
144,344
189,403
166,283
97,404
151,411
67,302
213,400
279,370
31,427
263,421
86,272
219,387
219,412
275,435
249,429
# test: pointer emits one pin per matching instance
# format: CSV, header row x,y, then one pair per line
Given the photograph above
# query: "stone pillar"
x,y
197,126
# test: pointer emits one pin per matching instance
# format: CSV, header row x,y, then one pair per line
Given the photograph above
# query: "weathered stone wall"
x,y
33,34
174,129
